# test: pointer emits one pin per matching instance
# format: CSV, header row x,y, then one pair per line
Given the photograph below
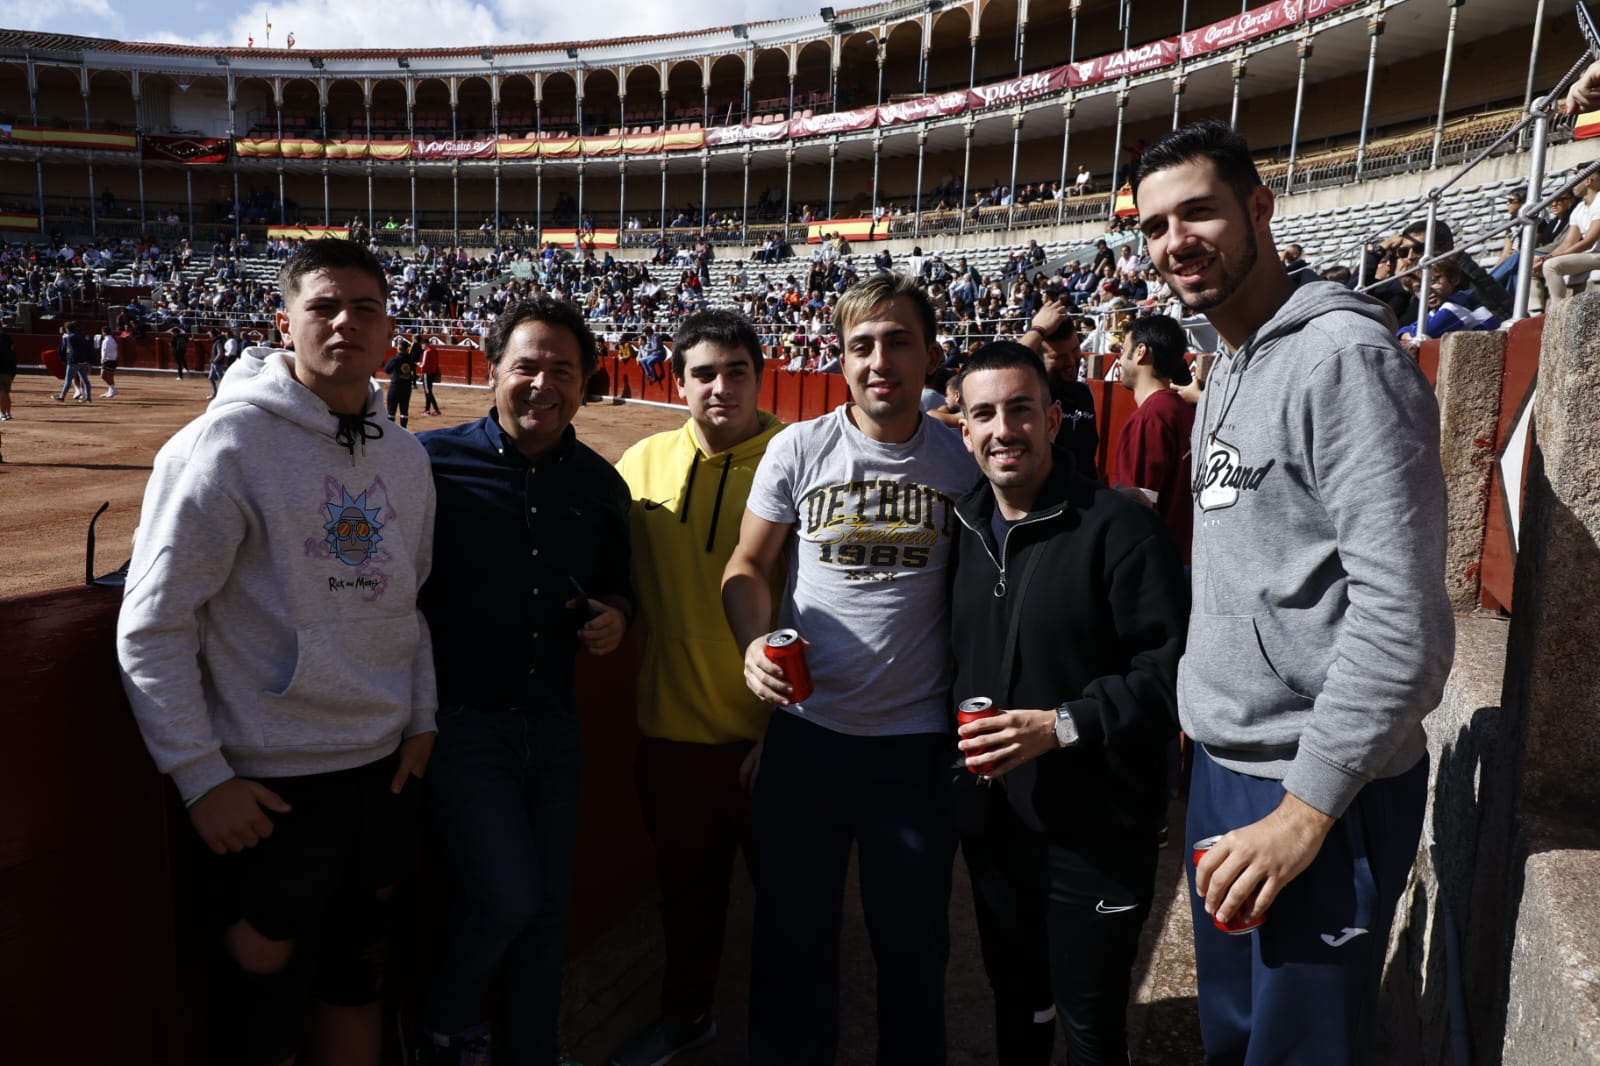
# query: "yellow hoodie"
x,y
685,518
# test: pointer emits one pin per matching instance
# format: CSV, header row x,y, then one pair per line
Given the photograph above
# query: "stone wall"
x,y
1496,951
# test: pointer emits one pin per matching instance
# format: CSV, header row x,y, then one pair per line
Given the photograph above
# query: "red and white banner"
x,y
838,122
1147,56
771,131
1041,83
1244,26
481,149
925,108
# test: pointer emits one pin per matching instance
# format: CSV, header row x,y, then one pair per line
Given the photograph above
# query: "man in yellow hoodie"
x,y
701,725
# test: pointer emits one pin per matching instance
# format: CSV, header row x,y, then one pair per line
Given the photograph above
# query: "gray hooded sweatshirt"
x,y
269,627
1321,633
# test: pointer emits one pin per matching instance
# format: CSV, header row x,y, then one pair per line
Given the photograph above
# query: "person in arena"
x,y
1320,632
503,790
289,695
1083,686
700,724
860,501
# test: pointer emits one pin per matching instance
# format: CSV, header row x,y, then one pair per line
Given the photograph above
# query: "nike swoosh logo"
x,y
1101,908
651,505
1346,935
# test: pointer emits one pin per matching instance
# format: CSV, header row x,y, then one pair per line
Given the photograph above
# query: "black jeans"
x,y
818,793
1059,925
502,790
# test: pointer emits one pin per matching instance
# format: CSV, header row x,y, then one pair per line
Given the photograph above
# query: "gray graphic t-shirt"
x,y
873,528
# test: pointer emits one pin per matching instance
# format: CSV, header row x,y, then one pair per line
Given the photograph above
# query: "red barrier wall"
x,y
1516,394
96,956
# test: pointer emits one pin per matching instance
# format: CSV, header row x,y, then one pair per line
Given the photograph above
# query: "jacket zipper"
x,y
1000,563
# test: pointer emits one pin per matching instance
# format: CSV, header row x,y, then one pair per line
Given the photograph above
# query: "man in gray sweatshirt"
x,y
281,673
1320,634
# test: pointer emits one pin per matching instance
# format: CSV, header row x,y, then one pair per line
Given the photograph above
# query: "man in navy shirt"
x,y
531,563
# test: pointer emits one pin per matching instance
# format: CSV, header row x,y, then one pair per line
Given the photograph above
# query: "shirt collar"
x,y
501,444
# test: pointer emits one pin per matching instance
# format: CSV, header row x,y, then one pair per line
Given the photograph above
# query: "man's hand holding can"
x,y
1000,741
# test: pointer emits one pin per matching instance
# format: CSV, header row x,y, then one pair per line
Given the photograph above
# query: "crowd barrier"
x,y
94,852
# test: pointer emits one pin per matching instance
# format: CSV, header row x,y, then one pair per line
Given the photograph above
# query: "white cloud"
x,y
62,16
455,23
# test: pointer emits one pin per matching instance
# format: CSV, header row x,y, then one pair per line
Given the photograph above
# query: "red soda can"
x,y
1242,923
785,648
972,710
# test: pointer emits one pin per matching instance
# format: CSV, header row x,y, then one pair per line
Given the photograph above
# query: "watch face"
x,y
1066,728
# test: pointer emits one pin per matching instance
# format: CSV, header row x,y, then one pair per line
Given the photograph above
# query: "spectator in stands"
x,y
1505,267
1321,634
1294,261
1568,266
1451,306
653,356
1053,336
1153,447
1084,182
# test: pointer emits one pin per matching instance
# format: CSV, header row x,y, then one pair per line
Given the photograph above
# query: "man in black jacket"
x,y
1069,612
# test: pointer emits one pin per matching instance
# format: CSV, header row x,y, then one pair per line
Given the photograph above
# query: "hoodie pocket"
x,y
351,685
1229,689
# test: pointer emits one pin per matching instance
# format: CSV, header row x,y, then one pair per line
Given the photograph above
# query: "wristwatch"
x,y
1066,728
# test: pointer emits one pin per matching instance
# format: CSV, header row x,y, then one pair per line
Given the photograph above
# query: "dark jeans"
x,y
819,792
699,818
76,372
502,789
1303,988
1059,923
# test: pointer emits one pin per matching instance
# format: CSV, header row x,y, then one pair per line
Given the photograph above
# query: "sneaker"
x,y
658,1044
471,1048
108,394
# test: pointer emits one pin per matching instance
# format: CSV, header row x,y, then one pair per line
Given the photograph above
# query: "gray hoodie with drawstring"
x,y
1321,633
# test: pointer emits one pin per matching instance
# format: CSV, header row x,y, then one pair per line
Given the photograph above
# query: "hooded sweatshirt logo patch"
x,y
1223,476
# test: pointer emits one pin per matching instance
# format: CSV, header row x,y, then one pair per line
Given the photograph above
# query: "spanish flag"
x,y
1125,208
1588,125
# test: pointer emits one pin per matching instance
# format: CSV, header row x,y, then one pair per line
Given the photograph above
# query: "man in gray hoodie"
x,y
1320,634
279,669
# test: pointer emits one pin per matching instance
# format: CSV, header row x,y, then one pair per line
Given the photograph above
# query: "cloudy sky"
x,y
389,24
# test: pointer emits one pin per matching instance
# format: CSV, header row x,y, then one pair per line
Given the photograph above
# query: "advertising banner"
x,y
1241,27
191,151
1148,56
479,149
925,108
771,131
1041,83
838,122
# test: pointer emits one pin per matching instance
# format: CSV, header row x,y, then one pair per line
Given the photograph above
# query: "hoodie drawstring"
x,y
716,507
359,427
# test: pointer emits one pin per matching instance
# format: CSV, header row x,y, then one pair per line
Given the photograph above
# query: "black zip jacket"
x,y
1104,613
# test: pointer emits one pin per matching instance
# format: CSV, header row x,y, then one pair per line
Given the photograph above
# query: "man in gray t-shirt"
x,y
859,503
